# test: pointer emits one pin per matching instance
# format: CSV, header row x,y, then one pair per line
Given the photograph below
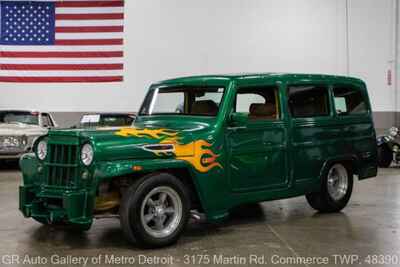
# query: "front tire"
x,y
336,190
385,156
155,210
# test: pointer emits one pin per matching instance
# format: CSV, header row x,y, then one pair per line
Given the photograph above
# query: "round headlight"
x,y
393,131
87,154
41,150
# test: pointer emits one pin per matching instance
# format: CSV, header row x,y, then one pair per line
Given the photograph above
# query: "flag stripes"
x,y
87,46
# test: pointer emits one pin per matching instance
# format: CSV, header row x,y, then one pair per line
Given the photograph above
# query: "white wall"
x,y
173,38
372,47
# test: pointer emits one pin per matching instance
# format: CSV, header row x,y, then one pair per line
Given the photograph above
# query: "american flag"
x,y
61,41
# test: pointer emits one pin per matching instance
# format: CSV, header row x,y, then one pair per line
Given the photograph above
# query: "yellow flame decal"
x,y
203,159
197,153
146,132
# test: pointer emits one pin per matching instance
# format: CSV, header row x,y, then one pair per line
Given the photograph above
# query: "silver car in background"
x,y
19,129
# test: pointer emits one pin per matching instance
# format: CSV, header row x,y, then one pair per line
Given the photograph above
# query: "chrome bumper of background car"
x,y
12,153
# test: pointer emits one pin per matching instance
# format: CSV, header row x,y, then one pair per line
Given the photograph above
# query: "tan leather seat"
x,y
205,107
262,111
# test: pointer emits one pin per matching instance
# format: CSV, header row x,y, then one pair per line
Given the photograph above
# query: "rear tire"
x,y
385,156
155,210
336,189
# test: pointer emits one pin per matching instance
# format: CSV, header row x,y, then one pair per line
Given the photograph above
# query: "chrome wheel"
x,y
337,182
161,211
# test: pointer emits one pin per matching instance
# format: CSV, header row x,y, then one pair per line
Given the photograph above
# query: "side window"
x,y
46,121
308,101
349,101
258,103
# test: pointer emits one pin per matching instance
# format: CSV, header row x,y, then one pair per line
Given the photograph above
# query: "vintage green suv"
x,y
201,146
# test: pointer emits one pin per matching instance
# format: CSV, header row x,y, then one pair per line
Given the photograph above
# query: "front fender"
x,y
109,169
29,167
341,158
105,171
206,184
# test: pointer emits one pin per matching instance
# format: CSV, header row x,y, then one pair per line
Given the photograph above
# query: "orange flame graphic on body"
x,y
202,159
150,133
198,153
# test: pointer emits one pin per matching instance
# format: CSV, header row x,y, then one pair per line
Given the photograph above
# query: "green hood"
x,y
130,142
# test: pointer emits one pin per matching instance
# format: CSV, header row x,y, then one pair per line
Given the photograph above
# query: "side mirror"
x,y
238,119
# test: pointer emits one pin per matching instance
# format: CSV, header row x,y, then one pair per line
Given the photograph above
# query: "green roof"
x,y
258,76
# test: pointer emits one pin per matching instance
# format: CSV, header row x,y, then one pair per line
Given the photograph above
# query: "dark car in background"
x,y
94,120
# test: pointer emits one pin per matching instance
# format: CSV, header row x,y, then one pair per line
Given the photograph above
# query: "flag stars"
x,y
31,23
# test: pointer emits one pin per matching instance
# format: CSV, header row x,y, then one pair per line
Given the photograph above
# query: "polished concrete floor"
x,y
280,233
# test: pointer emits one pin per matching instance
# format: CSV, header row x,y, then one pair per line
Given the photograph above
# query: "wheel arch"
x,y
350,162
177,168
184,175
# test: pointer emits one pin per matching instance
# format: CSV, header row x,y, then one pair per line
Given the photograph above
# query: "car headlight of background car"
x,y
41,150
87,154
393,131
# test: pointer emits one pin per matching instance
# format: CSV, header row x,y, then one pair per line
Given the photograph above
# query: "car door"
x,y
315,137
257,147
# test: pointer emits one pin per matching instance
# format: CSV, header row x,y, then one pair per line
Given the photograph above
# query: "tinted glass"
x,y
116,120
106,120
202,101
308,101
258,103
349,101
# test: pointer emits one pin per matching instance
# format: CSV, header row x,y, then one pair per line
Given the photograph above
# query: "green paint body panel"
x,y
267,160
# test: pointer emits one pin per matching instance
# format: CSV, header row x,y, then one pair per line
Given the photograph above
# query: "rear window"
x,y
308,101
349,101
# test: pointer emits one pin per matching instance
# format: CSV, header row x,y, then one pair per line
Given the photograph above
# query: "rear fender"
x,y
350,159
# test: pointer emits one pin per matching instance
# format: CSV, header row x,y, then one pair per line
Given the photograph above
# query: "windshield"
x,y
19,117
197,101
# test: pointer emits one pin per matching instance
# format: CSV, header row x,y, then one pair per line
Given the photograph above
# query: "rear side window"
x,y
348,101
308,101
